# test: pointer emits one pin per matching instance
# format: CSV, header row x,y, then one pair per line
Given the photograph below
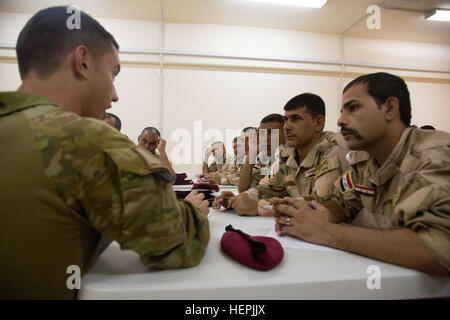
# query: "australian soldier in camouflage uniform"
x,y
68,179
396,196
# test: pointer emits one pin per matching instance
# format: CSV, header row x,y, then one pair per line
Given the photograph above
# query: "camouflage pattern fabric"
x,y
410,190
66,182
312,178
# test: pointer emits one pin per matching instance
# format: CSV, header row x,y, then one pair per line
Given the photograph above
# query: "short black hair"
x,y
46,39
247,129
117,122
428,127
152,130
312,103
381,86
274,117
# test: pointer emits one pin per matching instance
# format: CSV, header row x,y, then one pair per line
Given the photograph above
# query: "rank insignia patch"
x,y
324,167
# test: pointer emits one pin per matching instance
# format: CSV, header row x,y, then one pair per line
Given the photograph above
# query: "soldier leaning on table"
x,y
233,173
222,164
255,171
70,179
396,196
309,166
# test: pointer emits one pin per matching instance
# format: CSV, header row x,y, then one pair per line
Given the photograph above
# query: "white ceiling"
x,y
334,17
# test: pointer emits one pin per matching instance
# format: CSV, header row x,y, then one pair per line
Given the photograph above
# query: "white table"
x,y
302,274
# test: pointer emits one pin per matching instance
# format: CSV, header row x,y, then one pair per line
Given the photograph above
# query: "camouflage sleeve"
x,y
230,175
327,174
231,179
424,203
212,167
102,177
273,187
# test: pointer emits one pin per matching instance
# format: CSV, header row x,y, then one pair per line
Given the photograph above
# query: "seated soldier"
x,y
396,197
310,166
233,173
150,139
232,176
253,171
221,164
113,121
78,179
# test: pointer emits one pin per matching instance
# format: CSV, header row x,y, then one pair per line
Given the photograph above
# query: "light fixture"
x,y
439,15
300,3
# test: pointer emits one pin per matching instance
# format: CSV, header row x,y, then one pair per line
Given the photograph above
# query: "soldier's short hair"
x,y
117,122
247,129
381,86
46,39
152,130
274,117
312,103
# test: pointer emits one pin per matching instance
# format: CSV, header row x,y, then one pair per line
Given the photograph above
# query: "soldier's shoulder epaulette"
x,y
422,140
335,138
354,157
285,152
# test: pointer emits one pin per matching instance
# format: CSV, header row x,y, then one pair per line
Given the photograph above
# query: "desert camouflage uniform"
x,y
232,174
313,178
222,168
65,182
410,190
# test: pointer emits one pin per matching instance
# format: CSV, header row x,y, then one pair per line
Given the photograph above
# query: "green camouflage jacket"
x,y
65,182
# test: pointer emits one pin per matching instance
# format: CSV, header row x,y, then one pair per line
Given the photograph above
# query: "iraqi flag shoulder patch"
x,y
346,182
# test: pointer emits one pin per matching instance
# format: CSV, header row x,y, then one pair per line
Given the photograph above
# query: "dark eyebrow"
x,y
348,103
293,116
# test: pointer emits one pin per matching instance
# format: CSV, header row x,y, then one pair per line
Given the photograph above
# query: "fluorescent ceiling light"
x,y
439,15
300,3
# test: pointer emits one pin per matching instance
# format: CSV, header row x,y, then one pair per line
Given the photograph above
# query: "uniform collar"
x,y
380,175
14,101
310,158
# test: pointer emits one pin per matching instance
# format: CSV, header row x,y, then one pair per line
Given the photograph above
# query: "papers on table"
x,y
295,243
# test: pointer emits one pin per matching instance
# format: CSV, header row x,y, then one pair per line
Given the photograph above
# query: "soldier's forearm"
x,y
337,215
184,247
246,177
400,246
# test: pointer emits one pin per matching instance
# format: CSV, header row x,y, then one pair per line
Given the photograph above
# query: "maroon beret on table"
x,y
257,252
203,186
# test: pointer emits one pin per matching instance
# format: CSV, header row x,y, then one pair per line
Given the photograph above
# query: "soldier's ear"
x,y
81,62
320,123
391,106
